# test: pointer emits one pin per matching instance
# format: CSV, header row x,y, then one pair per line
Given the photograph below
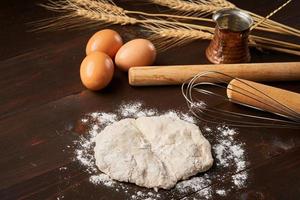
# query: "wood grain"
x,y
269,180
179,74
49,129
264,97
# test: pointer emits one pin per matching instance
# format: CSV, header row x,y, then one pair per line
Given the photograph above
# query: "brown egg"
x,y
107,41
96,71
137,52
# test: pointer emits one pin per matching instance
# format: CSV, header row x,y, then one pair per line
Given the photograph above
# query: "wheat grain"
x,y
168,36
104,5
109,7
222,3
107,18
190,7
78,12
98,11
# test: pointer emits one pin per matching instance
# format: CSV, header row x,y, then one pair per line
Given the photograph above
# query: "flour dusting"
x,y
228,153
221,192
102,179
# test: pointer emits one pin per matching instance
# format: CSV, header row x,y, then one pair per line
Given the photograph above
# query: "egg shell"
x,y
107,41
137,52
96,71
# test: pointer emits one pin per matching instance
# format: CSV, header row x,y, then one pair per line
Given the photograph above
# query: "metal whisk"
x,y
207,100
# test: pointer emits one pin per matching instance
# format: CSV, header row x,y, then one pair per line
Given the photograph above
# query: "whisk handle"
x,y
174,75
264,97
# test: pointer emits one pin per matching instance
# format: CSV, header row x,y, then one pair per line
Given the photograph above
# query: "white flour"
x,y
221,192
102,179
228,153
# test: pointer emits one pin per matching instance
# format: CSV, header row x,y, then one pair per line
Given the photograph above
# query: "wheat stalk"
x,y
218,4
166,37
101,11
289,51
202,7
78,12
108,5
109,8
270,15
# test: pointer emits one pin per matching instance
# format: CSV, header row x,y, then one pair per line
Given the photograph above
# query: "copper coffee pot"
x,y
230,41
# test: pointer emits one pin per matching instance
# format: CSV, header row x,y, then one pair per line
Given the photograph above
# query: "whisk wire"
x,y
207,113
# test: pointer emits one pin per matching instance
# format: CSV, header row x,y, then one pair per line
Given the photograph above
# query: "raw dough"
x,y
153,152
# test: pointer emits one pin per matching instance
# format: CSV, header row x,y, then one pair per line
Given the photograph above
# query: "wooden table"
x,y
42,101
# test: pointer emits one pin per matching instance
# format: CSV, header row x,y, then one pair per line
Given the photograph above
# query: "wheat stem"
x,y
266,22
274,42
105,12
182,17
200,7
274,23
169,16
166,37
289,51
270,15
269,24
109,6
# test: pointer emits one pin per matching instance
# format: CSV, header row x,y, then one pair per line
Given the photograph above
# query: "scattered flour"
x,y
63,168
194,184
102,179
228,153
205,193
60,197
221,192
239,179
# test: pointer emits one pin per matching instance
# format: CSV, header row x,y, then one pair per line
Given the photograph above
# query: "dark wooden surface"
x,y
42,101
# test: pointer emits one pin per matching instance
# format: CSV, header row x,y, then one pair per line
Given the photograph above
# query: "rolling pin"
x,y
264,97
174,75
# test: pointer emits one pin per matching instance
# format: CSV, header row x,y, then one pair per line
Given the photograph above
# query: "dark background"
x,y
42,101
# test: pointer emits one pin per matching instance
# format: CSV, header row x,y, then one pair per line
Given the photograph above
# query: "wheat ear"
x,y
77,14
110,6
199,7
168,36
99,12
110,10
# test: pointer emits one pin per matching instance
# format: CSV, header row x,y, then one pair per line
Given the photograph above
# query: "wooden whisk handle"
x,y
173,75
264,97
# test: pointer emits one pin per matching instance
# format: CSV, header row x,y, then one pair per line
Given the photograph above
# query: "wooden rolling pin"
x,y
173,75
245,92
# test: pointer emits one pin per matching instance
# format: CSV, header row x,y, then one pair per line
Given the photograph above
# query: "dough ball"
x,y
153,152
